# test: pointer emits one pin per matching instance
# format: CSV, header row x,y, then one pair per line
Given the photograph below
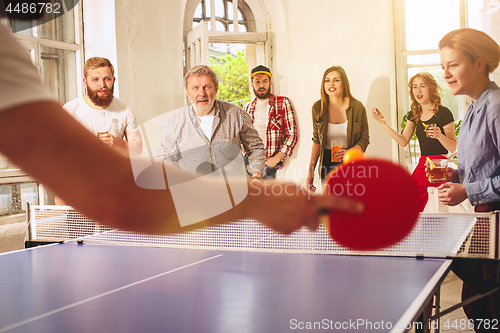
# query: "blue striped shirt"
x,y
479,148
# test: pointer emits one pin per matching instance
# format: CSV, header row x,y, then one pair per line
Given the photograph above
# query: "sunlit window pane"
x,y
224,12
60,28
13,198
424,59
198,12
208,7
29,193
219,8
59,72
219,26
230,11
4,163
241,27
427,21
484,15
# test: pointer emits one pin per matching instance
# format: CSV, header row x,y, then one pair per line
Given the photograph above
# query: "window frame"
x,y
15,176
402,67
261,40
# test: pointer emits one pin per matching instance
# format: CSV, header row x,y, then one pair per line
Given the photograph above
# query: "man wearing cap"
x,y
274,119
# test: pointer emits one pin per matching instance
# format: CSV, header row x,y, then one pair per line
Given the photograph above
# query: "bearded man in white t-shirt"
x,y
274,119
104,114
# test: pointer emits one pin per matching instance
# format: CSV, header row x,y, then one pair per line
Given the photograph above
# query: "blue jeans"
x,y
327,164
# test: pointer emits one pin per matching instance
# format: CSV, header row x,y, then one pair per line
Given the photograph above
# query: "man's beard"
x,y
262,95
103,101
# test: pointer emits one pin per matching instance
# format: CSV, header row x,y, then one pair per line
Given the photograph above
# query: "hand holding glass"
x,y
436,170
429,127
337,146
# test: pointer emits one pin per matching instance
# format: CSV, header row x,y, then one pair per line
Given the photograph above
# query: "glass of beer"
x,y
436,169
102,128
428,128
336,145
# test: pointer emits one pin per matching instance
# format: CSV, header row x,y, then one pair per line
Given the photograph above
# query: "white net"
x,y
435,235
59,223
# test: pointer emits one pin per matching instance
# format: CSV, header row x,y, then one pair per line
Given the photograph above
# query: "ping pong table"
x,y
239,277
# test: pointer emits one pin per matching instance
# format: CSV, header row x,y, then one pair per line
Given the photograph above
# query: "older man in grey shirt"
x,y
206,135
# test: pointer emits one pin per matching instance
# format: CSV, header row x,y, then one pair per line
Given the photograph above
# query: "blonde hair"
x,y
435,92
346,92
474,44
97,62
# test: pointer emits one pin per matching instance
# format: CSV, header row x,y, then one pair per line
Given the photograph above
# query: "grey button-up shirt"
x,y
185,144
479,148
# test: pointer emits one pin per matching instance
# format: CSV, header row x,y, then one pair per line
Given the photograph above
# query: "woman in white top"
x,y
336,116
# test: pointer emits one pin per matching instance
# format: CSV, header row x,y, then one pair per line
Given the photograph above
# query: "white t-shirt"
x,y
206,124
20,82
91,118
336,132
261,115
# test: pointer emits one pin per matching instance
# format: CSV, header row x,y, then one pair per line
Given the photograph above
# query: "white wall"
x,y
144,43
149,55
100,33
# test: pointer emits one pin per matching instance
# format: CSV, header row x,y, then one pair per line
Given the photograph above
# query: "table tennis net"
x,y
435,235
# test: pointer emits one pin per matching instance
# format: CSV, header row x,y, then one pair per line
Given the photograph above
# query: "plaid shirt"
x,y
185,144
281,134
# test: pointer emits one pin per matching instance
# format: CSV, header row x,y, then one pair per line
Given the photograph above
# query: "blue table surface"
x,y
106,288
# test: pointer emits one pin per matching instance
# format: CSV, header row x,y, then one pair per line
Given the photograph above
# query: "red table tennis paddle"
x,y
390,198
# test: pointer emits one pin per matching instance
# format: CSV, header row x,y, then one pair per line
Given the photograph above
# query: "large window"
x,y
223,34
420,25
56,48
225,18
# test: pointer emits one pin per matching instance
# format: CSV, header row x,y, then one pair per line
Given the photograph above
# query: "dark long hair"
x,y
346,92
